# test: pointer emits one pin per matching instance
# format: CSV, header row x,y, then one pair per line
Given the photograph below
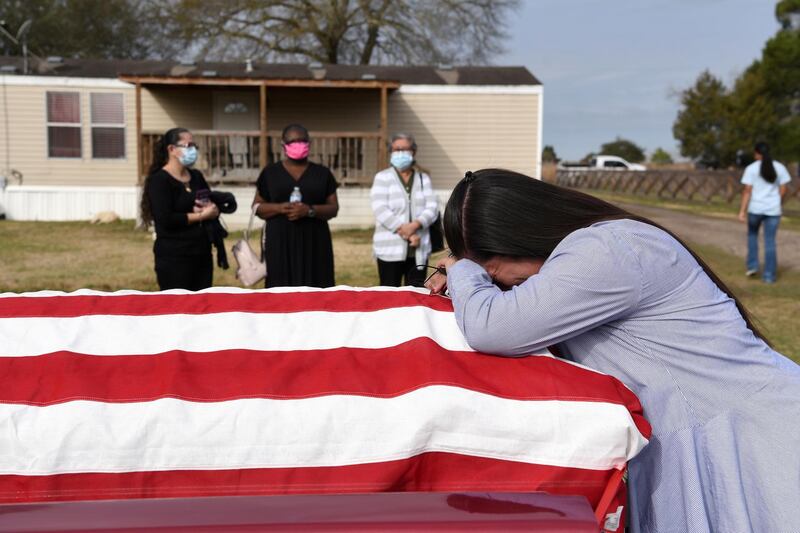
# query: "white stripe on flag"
x,y
311,330
214,290
84,436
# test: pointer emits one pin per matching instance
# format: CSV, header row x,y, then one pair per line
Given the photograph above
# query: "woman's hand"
x,y
408,229
209,211
413,241
438,282
297,211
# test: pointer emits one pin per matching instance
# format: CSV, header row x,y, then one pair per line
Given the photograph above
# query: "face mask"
x,y
297,150
188,156
401,160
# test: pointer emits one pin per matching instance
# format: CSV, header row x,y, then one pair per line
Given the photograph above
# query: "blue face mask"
x,y
401,160
188,156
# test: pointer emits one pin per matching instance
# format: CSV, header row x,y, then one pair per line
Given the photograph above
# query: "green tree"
x,y
661,157
752,114
788,14
549,155
702,120
625,149
780,70
344,31
84,28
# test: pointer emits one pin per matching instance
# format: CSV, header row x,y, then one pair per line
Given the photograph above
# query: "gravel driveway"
x,y
727,234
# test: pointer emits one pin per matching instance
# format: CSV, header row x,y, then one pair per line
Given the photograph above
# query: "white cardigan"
x,y
390,204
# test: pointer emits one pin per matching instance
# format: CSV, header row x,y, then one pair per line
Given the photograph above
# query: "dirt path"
x,y
727,234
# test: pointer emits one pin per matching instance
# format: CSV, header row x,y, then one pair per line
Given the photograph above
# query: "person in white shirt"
x,y
405,206
764,189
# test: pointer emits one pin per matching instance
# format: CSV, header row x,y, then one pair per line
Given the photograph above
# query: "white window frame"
x,y
122,125
48,125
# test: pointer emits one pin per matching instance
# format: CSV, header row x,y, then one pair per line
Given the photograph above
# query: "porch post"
x,y
139,143
384,136
262,139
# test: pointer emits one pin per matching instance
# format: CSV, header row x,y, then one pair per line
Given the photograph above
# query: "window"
x,y
108,126
615,164
63,124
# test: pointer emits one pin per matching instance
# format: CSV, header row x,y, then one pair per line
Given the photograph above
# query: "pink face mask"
x,y
296,150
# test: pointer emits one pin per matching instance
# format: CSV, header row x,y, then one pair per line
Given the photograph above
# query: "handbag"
x,y
251,268
435,230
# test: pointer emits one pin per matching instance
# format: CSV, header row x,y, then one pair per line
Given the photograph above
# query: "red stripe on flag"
x,y
266,302
436,471
234,374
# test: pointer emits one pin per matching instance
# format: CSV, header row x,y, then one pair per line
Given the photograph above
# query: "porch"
x,y
236,123
235,157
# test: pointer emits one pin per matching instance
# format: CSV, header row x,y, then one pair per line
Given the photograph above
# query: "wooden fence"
x,y
692,185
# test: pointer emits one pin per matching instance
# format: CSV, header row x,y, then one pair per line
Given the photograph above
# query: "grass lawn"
x,y
72,255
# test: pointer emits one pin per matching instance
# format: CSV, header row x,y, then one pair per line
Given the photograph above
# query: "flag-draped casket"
x,y
289,391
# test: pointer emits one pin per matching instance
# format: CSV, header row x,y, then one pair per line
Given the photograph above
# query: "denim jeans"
x,y
770,251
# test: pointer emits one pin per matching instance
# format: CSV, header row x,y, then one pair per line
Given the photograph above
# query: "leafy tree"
x,y
344,31
588,157
549,155
83,28
661,157
788,14
780,70
625,149
752,113
702,120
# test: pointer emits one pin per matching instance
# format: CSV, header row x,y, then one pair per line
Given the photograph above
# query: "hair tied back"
x,y
468,176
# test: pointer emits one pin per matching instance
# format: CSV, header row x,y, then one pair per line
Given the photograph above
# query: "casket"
x,y
231,392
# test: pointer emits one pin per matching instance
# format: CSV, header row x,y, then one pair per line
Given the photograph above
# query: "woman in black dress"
x,y
298,249
182,248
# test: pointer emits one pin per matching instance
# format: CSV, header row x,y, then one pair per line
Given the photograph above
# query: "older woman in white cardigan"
x,y
405,206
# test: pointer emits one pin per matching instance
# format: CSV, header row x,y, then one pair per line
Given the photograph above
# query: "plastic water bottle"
x,y
296,196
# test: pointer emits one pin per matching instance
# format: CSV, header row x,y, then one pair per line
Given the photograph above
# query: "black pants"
x,y
190,272
391,273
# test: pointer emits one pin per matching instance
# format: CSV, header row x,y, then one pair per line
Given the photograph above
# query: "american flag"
x,y
285,391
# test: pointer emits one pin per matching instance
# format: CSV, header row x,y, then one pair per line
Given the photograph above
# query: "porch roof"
x,y
275,74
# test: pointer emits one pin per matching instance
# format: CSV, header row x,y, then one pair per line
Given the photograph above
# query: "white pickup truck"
x,y
602,162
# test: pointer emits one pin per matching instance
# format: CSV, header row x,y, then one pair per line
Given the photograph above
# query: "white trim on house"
x,y
470,89
539,135
63,202
63,81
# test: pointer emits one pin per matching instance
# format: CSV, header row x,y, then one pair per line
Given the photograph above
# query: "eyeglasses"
x,y
190,145
436,270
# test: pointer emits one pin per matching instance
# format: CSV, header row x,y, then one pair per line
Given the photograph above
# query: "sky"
x,y
616,67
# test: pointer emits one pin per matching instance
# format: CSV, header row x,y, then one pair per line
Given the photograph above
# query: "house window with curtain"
x,y
108,126
63,124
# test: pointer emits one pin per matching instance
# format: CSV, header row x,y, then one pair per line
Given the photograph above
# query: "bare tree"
x,y
344,31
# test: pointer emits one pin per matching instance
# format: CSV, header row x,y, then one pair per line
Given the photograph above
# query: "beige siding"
x,y
165,107
23,139
459,132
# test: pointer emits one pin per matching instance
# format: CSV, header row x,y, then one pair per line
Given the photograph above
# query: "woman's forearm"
x,y
267,210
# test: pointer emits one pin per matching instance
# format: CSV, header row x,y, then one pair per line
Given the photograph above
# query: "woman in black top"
x,y
182,248
298,248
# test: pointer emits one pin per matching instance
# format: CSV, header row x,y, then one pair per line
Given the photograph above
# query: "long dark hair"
x,y
767,168
494,212
160,158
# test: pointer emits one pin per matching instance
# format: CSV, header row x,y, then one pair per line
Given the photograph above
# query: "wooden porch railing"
x,y
692,185
233,157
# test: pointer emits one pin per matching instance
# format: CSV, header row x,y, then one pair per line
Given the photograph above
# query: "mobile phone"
x,y
202,196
